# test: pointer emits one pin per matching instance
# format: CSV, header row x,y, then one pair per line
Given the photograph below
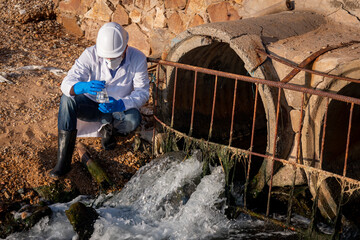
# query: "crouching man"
x,y
117,71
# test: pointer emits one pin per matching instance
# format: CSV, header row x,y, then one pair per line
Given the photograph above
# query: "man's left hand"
x,y
112,106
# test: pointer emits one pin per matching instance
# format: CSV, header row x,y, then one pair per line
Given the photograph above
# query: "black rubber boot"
x,y
108,140
66,145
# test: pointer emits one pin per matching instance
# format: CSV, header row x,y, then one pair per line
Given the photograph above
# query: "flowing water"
x,y
166,199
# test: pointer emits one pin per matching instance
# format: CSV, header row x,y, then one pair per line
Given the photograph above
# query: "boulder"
x,y
16,219
56,192
82,219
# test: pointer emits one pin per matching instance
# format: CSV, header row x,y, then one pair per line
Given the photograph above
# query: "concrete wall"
x,y
152,24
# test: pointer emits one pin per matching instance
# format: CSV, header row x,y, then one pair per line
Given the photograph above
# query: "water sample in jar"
x,y
102,96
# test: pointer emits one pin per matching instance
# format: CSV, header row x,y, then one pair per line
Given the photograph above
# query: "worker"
x,y
109,65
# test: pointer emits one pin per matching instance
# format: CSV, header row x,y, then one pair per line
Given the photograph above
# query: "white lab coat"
x,y
130,83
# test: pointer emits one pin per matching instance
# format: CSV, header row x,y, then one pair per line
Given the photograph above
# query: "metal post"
x,y
251,145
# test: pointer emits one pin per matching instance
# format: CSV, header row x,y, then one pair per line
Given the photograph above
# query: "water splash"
x,y
176,204
166,199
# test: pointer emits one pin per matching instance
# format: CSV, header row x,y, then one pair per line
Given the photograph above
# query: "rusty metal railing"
x,y
280,85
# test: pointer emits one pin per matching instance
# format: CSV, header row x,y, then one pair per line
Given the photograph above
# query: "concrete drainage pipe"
x,y
230,47
336,131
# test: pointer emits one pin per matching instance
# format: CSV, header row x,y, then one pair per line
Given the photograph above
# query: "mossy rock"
x,y
35,213
30,215
82,219
56,192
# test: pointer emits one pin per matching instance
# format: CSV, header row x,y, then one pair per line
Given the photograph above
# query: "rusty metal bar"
x,y
155,105
274,84
213,107
174,95
311,58
274,151
286,62
314,210
233,113
251,144
300,128
337,222
288,86
193,105
348,139
289,212
323,135
266,157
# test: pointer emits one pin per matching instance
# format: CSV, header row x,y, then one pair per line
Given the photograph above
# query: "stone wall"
x,y
152,24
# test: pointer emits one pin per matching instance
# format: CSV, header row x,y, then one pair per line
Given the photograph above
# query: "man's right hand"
x,y
91,87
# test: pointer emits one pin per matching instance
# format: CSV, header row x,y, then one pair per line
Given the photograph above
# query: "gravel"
x,y
29,102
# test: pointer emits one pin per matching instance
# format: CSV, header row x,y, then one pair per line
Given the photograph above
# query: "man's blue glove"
x,y
91,87
112,106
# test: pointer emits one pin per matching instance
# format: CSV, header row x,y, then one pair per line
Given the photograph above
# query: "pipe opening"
x,y
335,151
217,56
336,135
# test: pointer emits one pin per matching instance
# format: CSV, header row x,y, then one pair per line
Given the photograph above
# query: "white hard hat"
x,y
111,40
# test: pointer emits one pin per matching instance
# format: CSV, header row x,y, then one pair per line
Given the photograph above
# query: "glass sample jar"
x,y
102,96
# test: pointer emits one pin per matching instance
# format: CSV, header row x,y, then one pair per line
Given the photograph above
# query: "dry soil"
x,y
29,100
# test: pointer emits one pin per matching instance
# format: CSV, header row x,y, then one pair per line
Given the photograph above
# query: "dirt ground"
x,y
29,100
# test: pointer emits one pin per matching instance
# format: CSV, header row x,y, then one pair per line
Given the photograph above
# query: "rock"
x,y
196,20
91,28
120,16
70,23
7,195
196,6
4,80
33,11
100,11
159,41
148,21
175,4
137,142
138,39
56,192
295,116
222,12
147,135
21,191
142,4
127,3
73,6
175,23
135,16
31,214
160,20
14,220
147,110
82,219
114,2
